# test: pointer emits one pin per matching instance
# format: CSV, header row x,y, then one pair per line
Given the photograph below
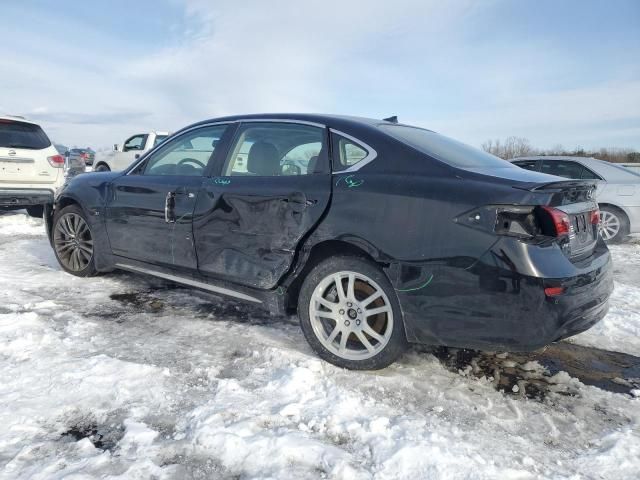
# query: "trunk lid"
x,y
576,198
24,149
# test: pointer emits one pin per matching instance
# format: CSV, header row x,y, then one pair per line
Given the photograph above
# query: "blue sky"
x,y
555,72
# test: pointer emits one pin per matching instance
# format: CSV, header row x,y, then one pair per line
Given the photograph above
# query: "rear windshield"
x,y
444,149
22,135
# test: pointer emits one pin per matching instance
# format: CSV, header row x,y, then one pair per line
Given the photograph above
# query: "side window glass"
x,y
187,154
561,168
528,165
136,142
347,153
275,149
589,175
297,160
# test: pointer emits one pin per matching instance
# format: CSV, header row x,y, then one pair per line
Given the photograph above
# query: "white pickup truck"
x,y
121,157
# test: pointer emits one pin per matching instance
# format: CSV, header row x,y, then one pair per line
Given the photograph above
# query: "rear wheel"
x,y
73,242
614,225
102,168
350,314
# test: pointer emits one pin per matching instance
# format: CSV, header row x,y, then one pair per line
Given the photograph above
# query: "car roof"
x,y
16,118
320,118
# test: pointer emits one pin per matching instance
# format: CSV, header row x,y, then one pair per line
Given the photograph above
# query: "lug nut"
x,y
359,311
341,312
347,323
349,304
357,322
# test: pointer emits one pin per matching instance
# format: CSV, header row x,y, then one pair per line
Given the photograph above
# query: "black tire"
x,y
102,168
396,343
83,270
36,211
608,211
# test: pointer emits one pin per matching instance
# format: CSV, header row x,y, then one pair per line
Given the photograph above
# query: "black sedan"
x,y
378,234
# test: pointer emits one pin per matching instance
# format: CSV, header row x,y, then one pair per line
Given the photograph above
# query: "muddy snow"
x,y
125,377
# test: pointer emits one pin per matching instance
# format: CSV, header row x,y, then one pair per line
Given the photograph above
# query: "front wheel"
x,y
350,314
102,168
73,242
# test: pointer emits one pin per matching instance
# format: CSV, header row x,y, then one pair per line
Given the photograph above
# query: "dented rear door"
x,y
250,219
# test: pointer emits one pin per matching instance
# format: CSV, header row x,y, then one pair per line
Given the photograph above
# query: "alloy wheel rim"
x,y
609,225
351,315
73,242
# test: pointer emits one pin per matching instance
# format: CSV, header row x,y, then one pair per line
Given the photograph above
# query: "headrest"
x,y
263,159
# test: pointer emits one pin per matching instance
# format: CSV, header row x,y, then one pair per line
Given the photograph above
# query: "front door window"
x,y
186,155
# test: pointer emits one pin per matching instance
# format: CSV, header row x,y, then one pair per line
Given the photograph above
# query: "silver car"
x,y
618,191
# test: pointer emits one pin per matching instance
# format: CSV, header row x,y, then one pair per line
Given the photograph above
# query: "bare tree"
x,y
511,148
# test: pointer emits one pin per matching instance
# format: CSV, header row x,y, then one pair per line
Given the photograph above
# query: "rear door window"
x,y
22,135
528,165
562,168
276,149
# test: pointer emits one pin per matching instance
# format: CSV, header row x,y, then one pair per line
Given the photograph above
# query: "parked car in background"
x,y
85,154
31,169
617,192
62,149
131,149
634,167
376,233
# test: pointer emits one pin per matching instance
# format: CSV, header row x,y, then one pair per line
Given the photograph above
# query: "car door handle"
x,y
297,202
170,208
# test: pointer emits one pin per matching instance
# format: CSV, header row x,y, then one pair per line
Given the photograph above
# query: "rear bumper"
x,y
499,302
24,197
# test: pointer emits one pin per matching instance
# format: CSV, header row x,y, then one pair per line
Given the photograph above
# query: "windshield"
x,y
22,135
445,149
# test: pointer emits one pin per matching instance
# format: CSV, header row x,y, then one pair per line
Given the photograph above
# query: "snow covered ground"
x,y
125,377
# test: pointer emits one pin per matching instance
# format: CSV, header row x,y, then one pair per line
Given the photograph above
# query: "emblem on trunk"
x,y
12,153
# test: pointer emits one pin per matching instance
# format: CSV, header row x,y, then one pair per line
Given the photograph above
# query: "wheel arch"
x,y
615,207
101,163
321,251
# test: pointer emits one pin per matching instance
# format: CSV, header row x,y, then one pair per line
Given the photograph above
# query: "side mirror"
x,y
115,147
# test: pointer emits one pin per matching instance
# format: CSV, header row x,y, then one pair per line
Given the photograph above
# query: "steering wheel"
x,y
191,160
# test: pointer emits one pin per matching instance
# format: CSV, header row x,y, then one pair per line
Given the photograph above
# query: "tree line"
x,y
513,147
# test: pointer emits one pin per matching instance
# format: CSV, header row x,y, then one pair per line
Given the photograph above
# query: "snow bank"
x,y
165,383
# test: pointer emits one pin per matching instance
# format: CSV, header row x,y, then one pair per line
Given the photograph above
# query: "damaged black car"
x,y
377,234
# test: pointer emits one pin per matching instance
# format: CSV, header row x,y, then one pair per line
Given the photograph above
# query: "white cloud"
x,y
416,58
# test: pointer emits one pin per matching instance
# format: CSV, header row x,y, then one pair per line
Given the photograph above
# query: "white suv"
x,y
31,169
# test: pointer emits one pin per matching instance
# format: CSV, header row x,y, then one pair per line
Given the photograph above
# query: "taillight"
x,y
56,161
595,217
553,291
85,155
560,221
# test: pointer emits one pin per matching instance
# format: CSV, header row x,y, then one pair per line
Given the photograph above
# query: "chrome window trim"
x,y
370,157
227,122
171,137
281,120
190,282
